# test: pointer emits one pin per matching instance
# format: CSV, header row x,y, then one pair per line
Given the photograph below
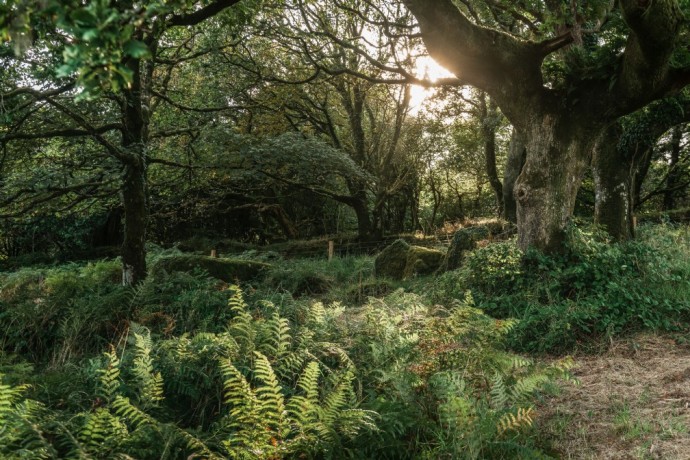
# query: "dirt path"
x,y
633,402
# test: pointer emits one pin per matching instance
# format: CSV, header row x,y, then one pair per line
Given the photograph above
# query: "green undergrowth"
x,y
593,291
184,367
318,359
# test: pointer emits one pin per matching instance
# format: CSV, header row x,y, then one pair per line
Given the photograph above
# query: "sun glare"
x,y
428,69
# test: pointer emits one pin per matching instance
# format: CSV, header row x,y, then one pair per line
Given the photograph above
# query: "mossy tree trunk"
x,y
134,185
514,163
613,172
490,119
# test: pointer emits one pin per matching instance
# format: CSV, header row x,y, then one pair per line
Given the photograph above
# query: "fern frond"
x,y
499,392
269,395
241,326
102,433
521,418
276,339
303,409
109,376
137,417
525,387
150,382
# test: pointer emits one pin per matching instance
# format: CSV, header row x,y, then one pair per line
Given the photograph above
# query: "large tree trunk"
x,y
559,152
517,155
560,127
613,176
134,200
134,185
360,205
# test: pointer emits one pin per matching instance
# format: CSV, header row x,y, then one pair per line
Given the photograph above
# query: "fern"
x,y
275,339
244,417
20,430
241,326
109,376
270,397
102,434
500,395
302,410
150,383
517,420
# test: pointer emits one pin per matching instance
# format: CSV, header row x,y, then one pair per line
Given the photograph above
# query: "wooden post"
x,y
331,250
214,254
634,222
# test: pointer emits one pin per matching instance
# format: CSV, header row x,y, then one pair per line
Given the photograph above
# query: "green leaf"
x,y
90,34
136,49
84,17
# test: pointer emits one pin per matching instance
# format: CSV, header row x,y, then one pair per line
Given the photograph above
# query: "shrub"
x,y
442,382
595,289
261,384
62,312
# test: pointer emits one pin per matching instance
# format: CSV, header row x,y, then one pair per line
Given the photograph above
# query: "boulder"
x,y
463,241
228,270
400,261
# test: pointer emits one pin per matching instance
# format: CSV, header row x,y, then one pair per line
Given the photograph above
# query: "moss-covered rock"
x,y
371,288
391,262
228,270
464,240
401,261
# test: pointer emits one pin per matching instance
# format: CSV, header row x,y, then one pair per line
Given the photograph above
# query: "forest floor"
x,y
632,402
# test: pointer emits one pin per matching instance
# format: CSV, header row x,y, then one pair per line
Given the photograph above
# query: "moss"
x,y
357,295
228,270
422,261
391,262
400,261
465,240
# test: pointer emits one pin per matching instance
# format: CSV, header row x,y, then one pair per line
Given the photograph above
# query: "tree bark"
x,y
134,183
613,172
672,179
489,122
559,152
134,200
359,204
516,160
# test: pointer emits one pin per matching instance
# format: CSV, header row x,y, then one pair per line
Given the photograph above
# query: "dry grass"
x,y
633,402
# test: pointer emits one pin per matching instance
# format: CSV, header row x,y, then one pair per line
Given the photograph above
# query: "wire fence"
x,y
348,248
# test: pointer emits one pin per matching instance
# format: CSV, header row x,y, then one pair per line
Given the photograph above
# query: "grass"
x,y
631,403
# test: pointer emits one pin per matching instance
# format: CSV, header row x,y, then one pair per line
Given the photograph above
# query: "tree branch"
x,y
67,132
202,14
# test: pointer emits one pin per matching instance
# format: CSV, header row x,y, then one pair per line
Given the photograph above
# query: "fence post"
x,y
214,254
634,222
331,250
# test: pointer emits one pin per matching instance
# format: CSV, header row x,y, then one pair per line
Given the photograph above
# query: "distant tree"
x,y
103,71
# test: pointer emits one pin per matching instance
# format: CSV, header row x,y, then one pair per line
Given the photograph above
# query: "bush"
x,y
62,312
258,390
310,277
442,381
593,290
